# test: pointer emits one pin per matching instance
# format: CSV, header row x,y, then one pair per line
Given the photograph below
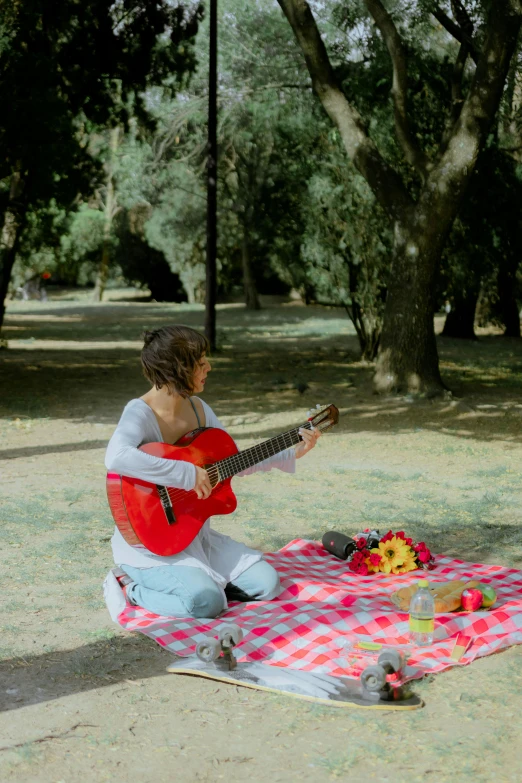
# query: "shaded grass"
x,y
444,476
467,523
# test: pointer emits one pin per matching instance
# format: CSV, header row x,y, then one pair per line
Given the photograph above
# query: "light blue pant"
x,y
183,591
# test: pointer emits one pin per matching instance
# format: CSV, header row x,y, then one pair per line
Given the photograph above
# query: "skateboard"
x,y
374,690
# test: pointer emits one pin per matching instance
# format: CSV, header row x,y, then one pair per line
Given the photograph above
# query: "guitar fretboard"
x,y
230,466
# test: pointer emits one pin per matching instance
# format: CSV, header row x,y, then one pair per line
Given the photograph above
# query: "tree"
x,y
345,249
66,65
255,152
139,262
109,212
421,210
484,250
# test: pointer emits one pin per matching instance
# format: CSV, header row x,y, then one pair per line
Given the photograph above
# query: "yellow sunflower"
x,y
408,565
394,553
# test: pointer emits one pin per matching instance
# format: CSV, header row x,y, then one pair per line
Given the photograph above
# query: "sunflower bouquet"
x,y
393,553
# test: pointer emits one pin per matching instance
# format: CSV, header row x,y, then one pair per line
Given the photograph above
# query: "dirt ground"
x,y
81,699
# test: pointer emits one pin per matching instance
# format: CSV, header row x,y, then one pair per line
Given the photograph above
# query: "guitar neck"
x,y
253,456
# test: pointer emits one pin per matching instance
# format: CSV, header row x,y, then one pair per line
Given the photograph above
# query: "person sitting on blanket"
x,y
196,581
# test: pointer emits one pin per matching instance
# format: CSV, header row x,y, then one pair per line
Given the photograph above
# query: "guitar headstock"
x,y
323,417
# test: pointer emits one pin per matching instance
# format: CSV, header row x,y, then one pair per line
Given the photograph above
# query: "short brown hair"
x,y
170,356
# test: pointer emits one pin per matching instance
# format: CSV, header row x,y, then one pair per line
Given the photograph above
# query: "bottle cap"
x,y
424,583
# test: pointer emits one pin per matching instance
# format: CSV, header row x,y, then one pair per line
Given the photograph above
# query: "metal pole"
x,y
211,275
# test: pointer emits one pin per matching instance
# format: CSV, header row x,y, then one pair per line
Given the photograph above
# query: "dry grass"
x,y
85,699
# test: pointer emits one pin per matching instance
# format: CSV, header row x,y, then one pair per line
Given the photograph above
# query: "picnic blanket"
x,y
325,609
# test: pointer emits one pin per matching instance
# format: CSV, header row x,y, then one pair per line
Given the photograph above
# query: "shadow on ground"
x,y
81,361
42,678
58,448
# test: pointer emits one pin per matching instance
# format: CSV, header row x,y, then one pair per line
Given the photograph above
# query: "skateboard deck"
x,y
319,688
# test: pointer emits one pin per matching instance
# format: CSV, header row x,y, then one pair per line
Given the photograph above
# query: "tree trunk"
x,y
508,305
370,342
249,284
460,321
367,326
408,352
368,332
110,203
408,358
10,237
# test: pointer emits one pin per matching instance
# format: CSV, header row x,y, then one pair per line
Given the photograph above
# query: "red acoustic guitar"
x,y
165,519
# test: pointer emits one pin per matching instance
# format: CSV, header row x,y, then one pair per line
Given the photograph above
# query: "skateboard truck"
x,y
210,649
375,685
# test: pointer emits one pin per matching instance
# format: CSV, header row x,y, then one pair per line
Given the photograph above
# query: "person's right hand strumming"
x,y
202,487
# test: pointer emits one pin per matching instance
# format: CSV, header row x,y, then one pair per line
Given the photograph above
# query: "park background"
x,y
368,241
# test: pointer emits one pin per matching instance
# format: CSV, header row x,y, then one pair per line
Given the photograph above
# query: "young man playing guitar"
x,y
194,582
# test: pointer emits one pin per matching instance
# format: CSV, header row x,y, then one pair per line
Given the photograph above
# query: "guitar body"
x,y
165,520
137,506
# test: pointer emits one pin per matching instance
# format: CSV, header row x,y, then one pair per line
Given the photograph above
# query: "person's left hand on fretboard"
x,y
309,440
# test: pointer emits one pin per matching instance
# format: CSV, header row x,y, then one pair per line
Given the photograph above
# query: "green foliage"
x,y
291,208
70,60
65,70
484,248
345,263
139,262
177,228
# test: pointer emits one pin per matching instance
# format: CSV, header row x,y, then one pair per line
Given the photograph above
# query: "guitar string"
x,y
235,460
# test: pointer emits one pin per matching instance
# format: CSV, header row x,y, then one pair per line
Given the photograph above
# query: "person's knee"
x,y
208,602
261,581
270,583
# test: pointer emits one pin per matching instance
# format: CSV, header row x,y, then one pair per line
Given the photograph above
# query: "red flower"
x,y
358,563
375,559
358,566
387,537
366,530
400,534
357,558
420,547
424,555
409,541
361,543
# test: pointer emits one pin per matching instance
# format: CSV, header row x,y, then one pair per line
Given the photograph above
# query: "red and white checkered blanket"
x,y
325,609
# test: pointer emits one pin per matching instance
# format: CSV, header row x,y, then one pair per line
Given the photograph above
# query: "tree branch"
x,y
385,182
412,152
457,98
450,175
457,32
462,17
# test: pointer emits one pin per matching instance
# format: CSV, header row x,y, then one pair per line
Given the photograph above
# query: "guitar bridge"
x,y
166,504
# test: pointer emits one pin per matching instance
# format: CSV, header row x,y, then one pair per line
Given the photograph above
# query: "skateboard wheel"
x,y
391,661
373,678
208,650
230,635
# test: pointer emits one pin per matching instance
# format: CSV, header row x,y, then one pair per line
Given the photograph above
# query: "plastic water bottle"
x,y
422,615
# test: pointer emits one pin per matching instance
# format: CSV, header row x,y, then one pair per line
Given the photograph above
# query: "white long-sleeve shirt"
x,y
220,556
